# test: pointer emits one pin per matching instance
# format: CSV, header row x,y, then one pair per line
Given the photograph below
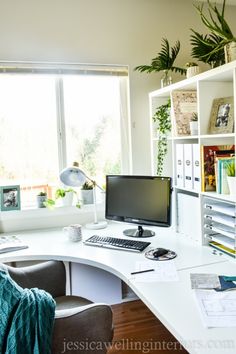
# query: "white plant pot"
x,y
87,196
230,52
193,128
192,71
68,199
232,185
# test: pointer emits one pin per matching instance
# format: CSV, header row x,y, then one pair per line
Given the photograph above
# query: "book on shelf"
x,y
179,151
221,164
188,166
208,161
184,105
196,168
11,243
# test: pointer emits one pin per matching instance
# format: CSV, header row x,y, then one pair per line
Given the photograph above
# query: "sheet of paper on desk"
x,y
204,281
217,309
163,271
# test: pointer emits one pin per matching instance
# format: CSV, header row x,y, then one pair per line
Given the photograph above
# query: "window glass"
x,y
28,134
92,118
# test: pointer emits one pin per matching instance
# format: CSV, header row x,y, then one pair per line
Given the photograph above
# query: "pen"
x,y
142,271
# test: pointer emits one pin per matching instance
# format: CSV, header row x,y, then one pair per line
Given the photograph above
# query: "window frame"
x,y
61,69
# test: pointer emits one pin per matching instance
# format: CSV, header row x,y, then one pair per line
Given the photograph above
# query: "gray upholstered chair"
x,y
80,325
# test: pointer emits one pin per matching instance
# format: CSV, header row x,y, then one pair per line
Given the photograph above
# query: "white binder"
x,y
196,168
179,165
188,166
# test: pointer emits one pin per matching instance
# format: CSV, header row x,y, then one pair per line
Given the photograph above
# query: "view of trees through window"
x,y
29,138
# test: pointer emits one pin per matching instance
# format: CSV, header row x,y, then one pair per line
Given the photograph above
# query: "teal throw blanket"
x,y
26,318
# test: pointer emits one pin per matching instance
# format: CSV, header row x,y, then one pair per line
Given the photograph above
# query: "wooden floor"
x,y
137,330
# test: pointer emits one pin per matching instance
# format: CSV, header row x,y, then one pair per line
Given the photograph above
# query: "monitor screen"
x,y
139,199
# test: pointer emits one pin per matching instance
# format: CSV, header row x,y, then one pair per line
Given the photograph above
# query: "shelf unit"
x,y
188,204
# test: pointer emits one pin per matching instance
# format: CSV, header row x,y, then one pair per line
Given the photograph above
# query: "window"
x,y
48,120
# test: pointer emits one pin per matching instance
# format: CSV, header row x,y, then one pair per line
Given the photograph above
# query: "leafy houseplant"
x,y
87,192
217,25
164,61
194,124
163,120
60,193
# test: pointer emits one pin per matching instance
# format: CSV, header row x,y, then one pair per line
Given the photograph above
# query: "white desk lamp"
x,y
75,177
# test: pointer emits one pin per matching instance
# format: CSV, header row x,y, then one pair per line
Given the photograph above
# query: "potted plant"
x,y
66,197
231,178
164,61
163,120
87,193
218,26
41,199
192,69
194,124
206,48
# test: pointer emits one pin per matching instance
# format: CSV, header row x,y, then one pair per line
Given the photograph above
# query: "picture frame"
x,y
222,116
10,198
184,103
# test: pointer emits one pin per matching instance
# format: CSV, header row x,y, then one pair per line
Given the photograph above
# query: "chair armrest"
x,y
86,328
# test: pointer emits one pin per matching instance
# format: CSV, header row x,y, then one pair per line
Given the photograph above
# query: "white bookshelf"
x,y
215,83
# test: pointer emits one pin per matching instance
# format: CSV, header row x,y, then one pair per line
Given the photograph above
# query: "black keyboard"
x,y
117,243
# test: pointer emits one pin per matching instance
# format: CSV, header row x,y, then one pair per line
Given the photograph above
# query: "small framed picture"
x,y
10,198
222,116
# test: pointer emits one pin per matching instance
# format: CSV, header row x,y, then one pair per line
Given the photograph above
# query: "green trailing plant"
x,y
230,169
164,60
60,193
163,120
207,48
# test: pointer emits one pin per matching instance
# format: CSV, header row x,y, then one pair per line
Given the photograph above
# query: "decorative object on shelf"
x,y
184,106
218,25
65,195
163,120
222,116
193,124
192,69
164,62
203,47
231,177
41,199
73,176
10,198
208,162
87,193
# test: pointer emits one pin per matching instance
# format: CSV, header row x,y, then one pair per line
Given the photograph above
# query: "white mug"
x,y
74,232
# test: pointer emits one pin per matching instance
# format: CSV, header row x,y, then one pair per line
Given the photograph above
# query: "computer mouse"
x,y
160,252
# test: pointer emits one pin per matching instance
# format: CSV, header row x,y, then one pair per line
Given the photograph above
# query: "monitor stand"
x,y
139,232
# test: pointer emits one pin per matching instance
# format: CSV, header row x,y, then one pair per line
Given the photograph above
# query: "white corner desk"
x,y
173,303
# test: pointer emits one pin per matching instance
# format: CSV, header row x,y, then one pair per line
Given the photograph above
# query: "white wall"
x,y
102,31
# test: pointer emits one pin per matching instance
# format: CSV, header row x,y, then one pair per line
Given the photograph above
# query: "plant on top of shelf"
x,y
164,61
217,25
163,120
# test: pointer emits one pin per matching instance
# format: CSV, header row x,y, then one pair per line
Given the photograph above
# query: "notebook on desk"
x,y
11,243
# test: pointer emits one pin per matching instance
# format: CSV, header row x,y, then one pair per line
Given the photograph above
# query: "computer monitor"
x,y
144,200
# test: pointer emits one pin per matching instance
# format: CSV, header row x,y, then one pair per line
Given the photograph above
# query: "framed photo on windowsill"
x,y
222,116
10,198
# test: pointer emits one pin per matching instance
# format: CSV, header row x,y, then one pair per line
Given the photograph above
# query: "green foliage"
x,y
164,60
42,194
207,48
162,118
215,21
60,193
230,168
87,186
